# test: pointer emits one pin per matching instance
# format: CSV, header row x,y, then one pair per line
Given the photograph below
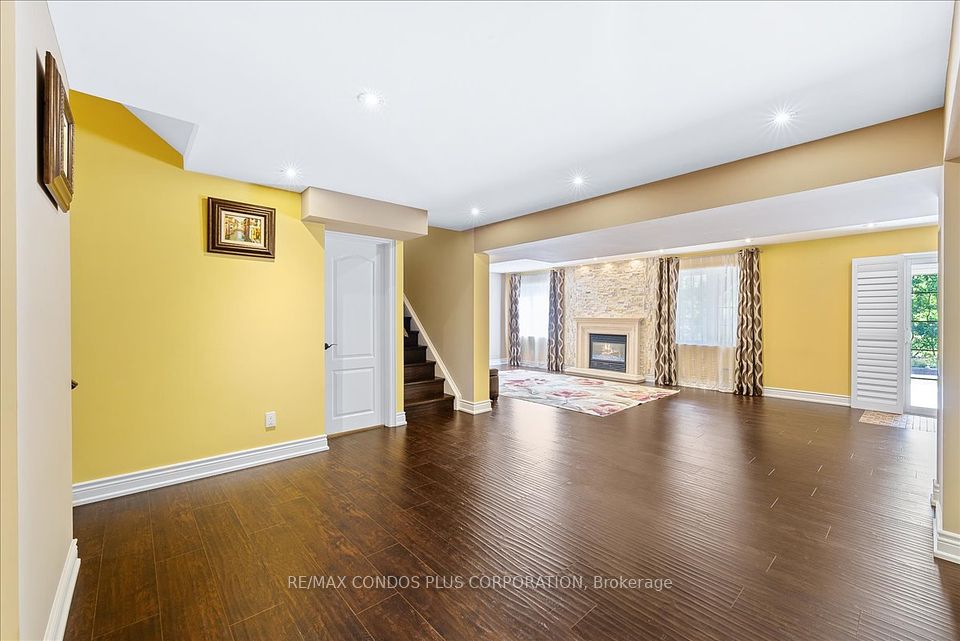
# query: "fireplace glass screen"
x,y
608,351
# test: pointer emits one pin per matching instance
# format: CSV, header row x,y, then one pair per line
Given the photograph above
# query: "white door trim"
x,y
388,326
390,305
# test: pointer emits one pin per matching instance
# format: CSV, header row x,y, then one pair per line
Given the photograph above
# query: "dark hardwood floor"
x,y
772,519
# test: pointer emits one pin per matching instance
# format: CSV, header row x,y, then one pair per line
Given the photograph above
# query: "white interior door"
x,y
354,315
879,334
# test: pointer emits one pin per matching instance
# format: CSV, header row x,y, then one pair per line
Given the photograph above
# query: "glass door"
x,y
924,372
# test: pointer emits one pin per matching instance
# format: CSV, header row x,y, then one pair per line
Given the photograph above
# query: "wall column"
x,y
949,421
481,329
947,491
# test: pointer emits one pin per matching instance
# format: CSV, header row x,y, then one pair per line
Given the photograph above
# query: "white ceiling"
x,y
494,105
900,200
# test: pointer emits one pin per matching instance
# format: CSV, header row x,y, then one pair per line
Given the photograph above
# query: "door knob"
x,y
327,346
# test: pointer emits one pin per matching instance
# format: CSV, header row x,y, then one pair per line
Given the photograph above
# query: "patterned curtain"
x,y
514,321
555,326
748,369
665,351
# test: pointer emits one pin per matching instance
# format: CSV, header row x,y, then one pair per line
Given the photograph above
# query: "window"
x,y
707,306
534,308
534,313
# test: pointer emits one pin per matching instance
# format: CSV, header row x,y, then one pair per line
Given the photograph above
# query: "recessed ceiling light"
x,y
369,99
290,172
782,117
474,211
746,240
578,180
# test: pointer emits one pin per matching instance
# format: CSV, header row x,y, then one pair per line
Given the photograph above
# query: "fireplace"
x,y
608,352
620,349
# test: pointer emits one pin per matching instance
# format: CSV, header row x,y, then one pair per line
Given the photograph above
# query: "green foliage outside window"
x,y
923,348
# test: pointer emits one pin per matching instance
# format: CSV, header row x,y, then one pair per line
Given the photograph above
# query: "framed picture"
x,y
240,229
57,136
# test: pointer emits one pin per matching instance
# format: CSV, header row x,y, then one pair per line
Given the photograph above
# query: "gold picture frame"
x,y
57,136
240,228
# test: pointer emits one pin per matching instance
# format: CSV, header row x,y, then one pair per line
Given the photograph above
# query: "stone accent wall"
x,y
623,289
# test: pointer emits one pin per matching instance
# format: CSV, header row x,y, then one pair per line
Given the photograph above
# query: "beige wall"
x,y
949,426
448,288
9,565
951,114
496,318
900,145
949,418
481,328
42,255
358,215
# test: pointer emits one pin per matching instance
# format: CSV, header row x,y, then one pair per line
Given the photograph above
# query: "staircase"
x,y
422,390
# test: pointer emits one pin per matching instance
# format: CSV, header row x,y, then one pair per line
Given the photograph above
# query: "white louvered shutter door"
x,y
878,335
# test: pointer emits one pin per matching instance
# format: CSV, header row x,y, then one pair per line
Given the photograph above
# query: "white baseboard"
x,y
811,397
473,408
60,609
946,545
122,484
399,420
499,362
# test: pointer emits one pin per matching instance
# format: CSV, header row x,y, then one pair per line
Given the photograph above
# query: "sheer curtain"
x,y
534,312
707,298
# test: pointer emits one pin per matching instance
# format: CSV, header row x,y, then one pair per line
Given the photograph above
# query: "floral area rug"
x,y
587,395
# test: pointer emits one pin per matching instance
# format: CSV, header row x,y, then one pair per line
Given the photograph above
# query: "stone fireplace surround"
x,y
630,327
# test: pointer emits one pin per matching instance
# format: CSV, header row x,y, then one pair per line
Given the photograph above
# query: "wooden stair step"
x,y
413,372
415,391
414,354
412,339
433,405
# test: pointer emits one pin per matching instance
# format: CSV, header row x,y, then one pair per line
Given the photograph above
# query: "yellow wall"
x,y
806,305
179,352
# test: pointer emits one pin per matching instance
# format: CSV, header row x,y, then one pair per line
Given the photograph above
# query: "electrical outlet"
x,y
270,420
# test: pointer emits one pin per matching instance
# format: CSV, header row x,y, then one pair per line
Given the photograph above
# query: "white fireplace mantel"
x,y
630,327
